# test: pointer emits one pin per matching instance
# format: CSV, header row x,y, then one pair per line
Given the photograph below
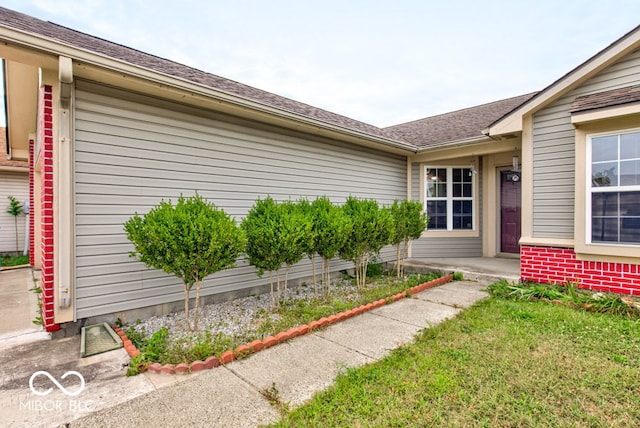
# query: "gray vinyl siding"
x,y
429,247
554,151
14,184
131,152
415,181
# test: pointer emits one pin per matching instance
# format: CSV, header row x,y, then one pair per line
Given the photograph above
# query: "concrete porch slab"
x,y
483,269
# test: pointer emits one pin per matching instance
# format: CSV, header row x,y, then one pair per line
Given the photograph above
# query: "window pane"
x,y
604,204
436,182
437,212
630,217
630,173
604,148
630,230
462,221
457,175
604,174
467,175
462,207
630,204
467,191
604,229
457,190
462,215
630,146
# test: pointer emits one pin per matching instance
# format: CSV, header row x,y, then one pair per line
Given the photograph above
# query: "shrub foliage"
x,y
191,240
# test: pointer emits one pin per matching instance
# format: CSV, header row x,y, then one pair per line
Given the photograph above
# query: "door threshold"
x,y
508,256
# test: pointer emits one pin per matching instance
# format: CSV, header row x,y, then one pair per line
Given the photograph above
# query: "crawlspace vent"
x,y
98,338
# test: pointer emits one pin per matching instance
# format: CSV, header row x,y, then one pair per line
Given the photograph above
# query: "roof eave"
x,y
512,122
453,144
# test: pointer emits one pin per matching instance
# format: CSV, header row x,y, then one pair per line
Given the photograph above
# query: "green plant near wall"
x,y
262,227
332,229
191,240
310,245
15,209
372,227
409,221
37,320
297,236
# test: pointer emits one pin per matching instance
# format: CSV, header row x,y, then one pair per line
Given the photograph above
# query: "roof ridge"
x,y
529,94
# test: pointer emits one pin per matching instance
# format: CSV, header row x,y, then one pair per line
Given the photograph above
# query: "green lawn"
x,y
15,260
499,363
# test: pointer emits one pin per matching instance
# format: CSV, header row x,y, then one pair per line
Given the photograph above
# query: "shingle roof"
x,y
614,97
77,39
432,131
457,125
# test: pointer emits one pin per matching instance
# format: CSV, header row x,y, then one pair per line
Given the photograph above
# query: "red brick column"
x,y
47,222
32,206
559,265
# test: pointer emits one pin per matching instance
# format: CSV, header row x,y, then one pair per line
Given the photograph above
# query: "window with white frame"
x,y
614,191
449,198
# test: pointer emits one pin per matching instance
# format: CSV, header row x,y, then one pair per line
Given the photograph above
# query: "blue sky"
x,y
382,62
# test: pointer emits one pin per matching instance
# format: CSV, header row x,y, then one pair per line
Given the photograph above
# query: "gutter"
x,y
453,144
55,47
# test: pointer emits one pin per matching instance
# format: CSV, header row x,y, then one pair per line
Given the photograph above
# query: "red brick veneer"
x,y
559,265
32,205
46,207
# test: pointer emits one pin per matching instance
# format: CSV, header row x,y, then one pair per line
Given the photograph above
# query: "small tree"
x,y
409,221
371,230
277,235
15,209
310,244
190,240
261,226
332,229
296,234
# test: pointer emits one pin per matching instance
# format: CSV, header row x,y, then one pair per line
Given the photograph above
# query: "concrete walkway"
x,y
18,305
231,396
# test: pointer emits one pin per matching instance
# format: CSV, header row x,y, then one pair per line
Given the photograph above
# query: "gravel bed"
x,y
233,317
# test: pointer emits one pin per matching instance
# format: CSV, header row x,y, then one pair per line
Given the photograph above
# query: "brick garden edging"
x,y
267,342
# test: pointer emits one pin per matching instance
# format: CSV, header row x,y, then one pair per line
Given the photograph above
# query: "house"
x,y
14,181
113,130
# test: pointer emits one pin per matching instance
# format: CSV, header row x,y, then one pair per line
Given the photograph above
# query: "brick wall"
x,y
47,220
32,206
559,265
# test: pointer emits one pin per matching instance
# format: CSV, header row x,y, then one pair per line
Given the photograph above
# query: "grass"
x,y
14,260
501,363
157,346
570,295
